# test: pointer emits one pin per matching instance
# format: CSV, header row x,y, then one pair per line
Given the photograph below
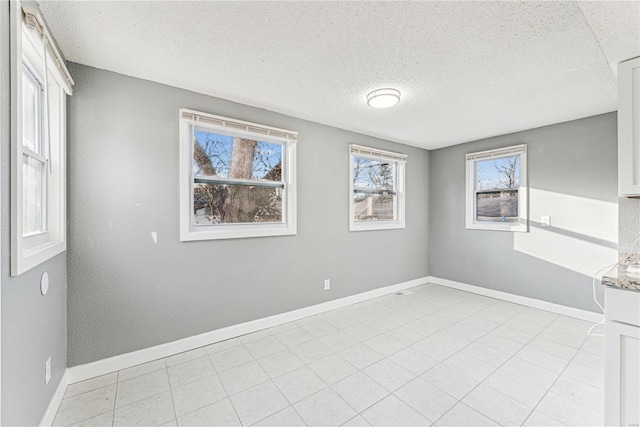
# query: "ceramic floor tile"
x,y
217,414
172,423
231,358
186,356
356,421
242,377
552,347
388,374
517,388
488,355
258,402
569,412
588,359
464,416
585,374
430,347
497,406
324,408
319,328
145,368
85,406
190,371
413,361
404,335
311,351
359,391
223,345
298,384
332,368
287,417
91,384
360,355
594,345
294,337
198,394
538,419
338,341
151,411
265,346
579,392
430,401
504,345
102,420
280,363
449,380
361,332
384,345
392,411
470,366
141,387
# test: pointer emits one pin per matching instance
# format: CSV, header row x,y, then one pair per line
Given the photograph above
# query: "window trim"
x,y
233,127
32,48
400,171
523,194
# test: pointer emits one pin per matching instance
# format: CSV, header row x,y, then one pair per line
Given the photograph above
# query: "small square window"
x,y
497,189
376,190
237,178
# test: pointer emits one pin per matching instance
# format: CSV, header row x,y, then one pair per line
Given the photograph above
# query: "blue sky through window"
x,y
494,173
219,147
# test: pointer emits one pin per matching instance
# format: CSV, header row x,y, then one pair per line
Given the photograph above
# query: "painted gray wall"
x,y
127,293
33,326
572,165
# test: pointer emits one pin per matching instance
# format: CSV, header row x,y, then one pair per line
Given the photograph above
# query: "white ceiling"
x,y
466,70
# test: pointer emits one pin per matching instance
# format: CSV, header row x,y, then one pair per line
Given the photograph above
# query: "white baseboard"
x,y
56,399
122,361
588,316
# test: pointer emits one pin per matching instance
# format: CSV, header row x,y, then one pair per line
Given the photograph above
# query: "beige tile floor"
x,y
436,356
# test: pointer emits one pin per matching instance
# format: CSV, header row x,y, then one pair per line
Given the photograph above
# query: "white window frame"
x,y
237,128
471,206
32,47
400,161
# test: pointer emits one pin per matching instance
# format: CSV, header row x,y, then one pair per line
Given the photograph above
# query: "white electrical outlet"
x,y
545,221
47,371
327,284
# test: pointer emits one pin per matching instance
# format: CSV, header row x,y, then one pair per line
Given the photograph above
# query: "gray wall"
x,y
572,178
127,293
33,326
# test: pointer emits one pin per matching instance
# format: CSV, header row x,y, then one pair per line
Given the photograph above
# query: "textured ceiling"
x,y
466,70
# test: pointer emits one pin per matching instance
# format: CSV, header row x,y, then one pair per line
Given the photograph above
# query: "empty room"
x,y
320,213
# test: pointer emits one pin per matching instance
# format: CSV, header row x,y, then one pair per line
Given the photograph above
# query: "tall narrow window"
x,y
376,190
40,83
237,178
497,189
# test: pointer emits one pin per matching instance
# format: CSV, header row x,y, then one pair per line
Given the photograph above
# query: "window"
x,y
376,189
497,189
40,83
237,178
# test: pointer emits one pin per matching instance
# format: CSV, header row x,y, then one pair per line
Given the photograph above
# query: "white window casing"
x,y
36,60
191,120
399,161
522,223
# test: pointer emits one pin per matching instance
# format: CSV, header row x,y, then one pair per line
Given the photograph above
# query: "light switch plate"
x,y
545,221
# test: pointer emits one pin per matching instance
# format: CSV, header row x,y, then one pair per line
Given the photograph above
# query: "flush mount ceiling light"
x,y
383,98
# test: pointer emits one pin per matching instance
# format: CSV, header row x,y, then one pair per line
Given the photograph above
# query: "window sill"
x,y
498,226
32,257
195,234
376,225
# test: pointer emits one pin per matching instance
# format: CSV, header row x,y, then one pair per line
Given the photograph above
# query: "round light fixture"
x,y
383,98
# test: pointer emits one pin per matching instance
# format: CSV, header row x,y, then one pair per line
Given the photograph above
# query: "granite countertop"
x,y
617,277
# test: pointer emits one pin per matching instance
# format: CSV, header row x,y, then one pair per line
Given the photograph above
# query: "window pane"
x,y
372,207
498,173
33,195
233,204
30,113
240,158
373,174
501,205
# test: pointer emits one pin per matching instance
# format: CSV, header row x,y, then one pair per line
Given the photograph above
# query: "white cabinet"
x,y
622,358
629,128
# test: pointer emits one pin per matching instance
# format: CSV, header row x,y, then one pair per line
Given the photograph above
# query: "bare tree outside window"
x,y
497,183
241,159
